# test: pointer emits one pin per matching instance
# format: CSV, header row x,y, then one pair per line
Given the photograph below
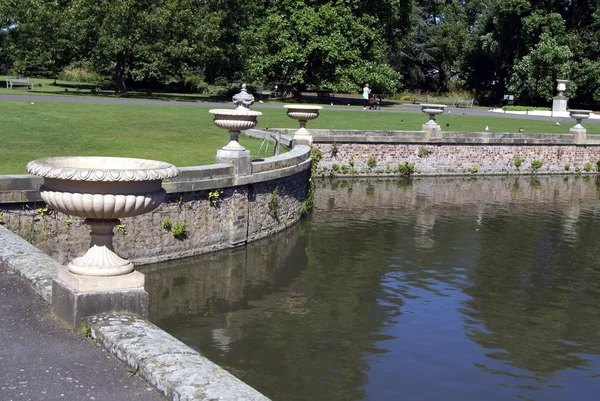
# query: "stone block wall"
x,y
248,208
455,153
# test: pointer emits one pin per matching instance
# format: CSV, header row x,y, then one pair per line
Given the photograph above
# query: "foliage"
x,y
166,223
121,228
1,217
473,170
525,108
273,203
371,162
179,230
308,203
406,169
318,44
214,196
587,167
536,165
517,162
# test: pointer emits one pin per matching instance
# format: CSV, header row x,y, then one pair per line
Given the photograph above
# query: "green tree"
x,y
142,40
320,45
534,76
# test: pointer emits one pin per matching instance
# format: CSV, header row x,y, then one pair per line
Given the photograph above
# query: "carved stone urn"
x,y
561,86
233,153
302,113
579,132
102,190
431,128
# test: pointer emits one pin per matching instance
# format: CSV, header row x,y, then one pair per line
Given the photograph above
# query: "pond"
x,y
440,288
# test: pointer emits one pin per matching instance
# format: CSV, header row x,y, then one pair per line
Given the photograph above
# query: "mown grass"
x,y
185,135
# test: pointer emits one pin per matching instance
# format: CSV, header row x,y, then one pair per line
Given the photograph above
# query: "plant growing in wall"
x,y
587,167
536,165
1,217
352,161
179,230
44,211
424,152
308,203
335,168
166,223
214,196
334,149
121,228
598,165
567,167
68,221
273,203
371,162
406,169
517,162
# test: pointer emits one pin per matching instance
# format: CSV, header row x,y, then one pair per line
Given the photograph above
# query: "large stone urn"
x,y
101,190
559,102
235,121
302,113
578,131
432,128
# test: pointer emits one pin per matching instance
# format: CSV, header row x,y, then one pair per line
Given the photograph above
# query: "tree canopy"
x,y
487,47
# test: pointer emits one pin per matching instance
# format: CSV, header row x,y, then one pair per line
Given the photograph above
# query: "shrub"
x,y
78,74
518,161
587,167
371,162
179,230
536,165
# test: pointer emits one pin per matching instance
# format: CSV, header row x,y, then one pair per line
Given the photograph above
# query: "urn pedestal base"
x,y
432,129
75,297
579,134
240,160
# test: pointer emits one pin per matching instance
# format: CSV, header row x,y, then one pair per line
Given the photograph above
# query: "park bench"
x,y
468,103
10,82
419,99
325,95
264,94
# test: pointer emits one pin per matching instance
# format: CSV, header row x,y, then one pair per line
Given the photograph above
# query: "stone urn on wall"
x,y
431,128
578,131
302,113
233,153
101,190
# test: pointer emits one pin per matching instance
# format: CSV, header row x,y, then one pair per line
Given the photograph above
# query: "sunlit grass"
x,y
185,135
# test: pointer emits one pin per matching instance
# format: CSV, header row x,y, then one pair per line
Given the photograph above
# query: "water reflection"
x,y
461,289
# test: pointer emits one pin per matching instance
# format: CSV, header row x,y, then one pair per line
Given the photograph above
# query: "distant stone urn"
x,y
302,113
102,190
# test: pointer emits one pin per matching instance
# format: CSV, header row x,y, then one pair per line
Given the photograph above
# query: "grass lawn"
x,y
184,135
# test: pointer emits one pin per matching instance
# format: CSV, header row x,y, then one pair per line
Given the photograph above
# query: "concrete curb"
x,y
175,369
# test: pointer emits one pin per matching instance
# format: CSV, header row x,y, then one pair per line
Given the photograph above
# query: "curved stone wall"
x,y
217,210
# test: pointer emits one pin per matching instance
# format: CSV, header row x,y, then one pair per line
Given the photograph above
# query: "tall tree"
x,y
321,44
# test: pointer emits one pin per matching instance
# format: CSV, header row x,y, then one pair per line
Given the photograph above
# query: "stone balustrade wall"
x,y
455,153
248,208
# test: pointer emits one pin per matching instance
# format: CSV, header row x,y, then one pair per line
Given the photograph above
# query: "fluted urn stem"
x,y
101,259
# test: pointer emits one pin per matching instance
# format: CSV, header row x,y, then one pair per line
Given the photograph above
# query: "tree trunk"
x,y
121,88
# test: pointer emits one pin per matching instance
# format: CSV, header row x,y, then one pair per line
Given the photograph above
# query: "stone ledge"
x,y
28,261
172,367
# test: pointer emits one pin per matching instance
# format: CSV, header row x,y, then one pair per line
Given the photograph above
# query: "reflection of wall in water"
x,y
226,279
374,195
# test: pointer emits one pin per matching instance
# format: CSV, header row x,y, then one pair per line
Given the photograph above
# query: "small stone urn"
x,y
102,190
302,113
243,100
233,153
562,86
431,128
578,131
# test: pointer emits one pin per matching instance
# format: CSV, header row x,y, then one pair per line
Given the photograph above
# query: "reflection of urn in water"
x,y
102,190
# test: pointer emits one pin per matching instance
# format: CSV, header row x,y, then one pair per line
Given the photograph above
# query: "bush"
x,y
78,74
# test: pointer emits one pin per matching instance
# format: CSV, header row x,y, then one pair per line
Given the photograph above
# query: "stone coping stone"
x,y
29,262
449,138
175,369
295,156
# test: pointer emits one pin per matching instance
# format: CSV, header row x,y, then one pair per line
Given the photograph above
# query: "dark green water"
x,y
436,289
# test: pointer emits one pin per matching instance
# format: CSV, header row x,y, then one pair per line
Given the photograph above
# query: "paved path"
x,y
42,360
339,105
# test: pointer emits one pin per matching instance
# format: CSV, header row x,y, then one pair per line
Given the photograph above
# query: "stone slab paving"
x,y
42,360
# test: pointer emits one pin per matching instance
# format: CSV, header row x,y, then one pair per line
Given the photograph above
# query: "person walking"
x,y
365,95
